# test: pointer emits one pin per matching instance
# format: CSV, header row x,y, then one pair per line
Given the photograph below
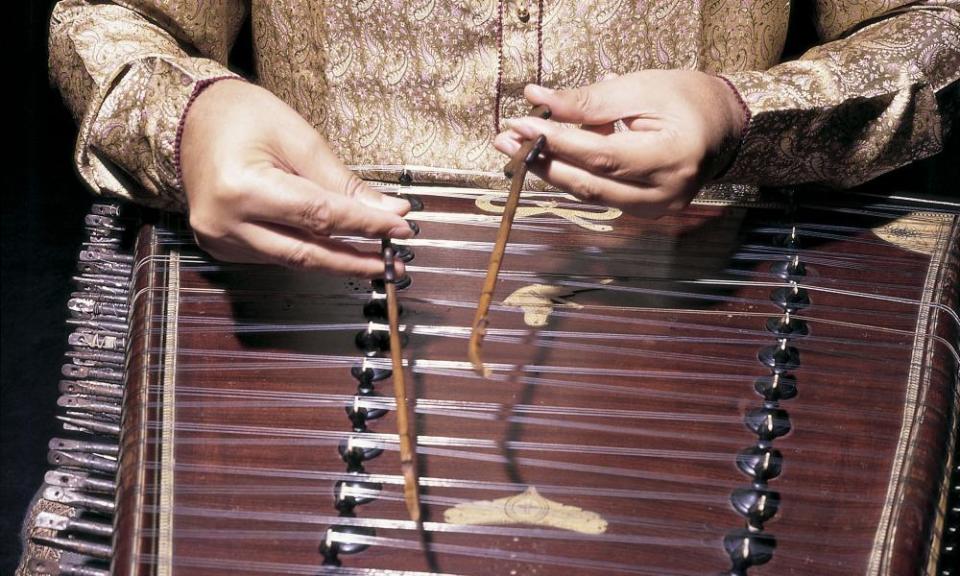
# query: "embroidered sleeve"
x,y
127,70
881,93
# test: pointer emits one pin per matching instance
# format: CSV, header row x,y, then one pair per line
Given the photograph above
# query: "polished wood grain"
x,y
629,405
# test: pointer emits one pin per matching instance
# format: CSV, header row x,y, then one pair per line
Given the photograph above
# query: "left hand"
x,y
683,128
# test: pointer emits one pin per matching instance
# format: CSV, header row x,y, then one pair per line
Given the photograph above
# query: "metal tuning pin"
x,y
106,374
93,549
94,357
776,387
105,209
790,241
91,388
789,269
62,567
88,404
516,171
791,298
89,306
78,480
787,326
51,521
74,498
90,425
97,339
780,357
67,445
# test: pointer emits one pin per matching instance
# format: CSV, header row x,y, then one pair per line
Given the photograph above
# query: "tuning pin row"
x,y
83,480
761,462
374,345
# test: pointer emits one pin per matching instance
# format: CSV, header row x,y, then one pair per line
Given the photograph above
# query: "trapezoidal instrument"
x,y
758,390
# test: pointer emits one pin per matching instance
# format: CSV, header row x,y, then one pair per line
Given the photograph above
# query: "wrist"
x,y
737,121
183,125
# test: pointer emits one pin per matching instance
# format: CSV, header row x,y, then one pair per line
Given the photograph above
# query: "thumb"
x,y
599,103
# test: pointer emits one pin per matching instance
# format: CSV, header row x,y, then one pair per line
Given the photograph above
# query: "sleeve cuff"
x,y
130,137
747,117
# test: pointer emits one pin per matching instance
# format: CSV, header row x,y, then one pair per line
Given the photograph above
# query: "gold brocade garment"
x,y
422,85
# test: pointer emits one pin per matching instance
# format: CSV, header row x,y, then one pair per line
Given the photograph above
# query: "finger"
x,y
295,202
626,155
276,245
508,142
312,158
600,103
645,202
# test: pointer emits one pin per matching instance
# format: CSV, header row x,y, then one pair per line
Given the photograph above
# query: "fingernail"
x,y
395,204
402,231
538,91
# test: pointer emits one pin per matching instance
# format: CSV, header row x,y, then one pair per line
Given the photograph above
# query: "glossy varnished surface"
x,y
629,403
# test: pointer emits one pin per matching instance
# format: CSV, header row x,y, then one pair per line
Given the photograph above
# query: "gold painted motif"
x,y
580,217
528,507
538,302
915,232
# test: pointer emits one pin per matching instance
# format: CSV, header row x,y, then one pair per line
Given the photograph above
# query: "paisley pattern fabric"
x,y
423,85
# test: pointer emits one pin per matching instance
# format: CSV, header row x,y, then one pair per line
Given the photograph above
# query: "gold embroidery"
x,y
528,507
416,83
577,216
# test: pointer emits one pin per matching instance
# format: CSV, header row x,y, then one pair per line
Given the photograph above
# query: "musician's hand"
x,y
264,187
682,129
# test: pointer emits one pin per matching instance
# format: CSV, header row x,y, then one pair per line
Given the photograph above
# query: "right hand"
x,y
264,187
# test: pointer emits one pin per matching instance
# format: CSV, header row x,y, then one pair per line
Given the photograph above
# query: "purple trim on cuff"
x,y
198,88
747,117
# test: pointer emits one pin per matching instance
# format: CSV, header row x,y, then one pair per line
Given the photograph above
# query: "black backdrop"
x,y
43,206
42,210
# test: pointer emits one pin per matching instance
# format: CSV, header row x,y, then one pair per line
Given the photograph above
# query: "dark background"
x,y
43,207
42,210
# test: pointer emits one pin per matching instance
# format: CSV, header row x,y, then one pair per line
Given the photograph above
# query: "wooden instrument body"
x,y
627,404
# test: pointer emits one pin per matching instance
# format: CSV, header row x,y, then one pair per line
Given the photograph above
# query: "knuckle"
x,y
687,174
586,190
583,99
603,161
298,256
317,217
353,186
206,231
231,185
